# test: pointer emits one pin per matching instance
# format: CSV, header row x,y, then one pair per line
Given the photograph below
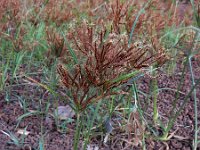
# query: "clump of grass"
x,y
101,61
104,63
99,50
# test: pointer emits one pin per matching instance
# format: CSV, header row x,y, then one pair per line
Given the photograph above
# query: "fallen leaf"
x,y
92,147
65,112
108,125
23,132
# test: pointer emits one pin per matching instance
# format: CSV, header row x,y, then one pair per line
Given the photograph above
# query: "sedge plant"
x,y
104,63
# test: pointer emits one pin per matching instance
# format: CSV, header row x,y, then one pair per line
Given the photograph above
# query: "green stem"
x,y
185,100
91,124
154,91
174,114
155,96
142,10
78,130
195,108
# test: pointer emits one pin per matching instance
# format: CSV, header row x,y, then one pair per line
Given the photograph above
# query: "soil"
x,y
54,139
11,109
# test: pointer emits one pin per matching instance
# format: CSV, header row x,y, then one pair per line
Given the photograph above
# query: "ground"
x,y
56,140
20,112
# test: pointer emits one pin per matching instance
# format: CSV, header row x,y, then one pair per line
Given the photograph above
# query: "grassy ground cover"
x,y
99,74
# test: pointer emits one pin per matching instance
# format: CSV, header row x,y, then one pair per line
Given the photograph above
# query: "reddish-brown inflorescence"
x,y
104,55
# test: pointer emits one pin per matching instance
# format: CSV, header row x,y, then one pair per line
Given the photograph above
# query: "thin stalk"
x,y
154,91
195,13
3,76
18,59
135,93
195,142
195,108
129,101
155,100
72,52
138,106
175,114
136,20
78,131
174,117
111,105
180,30
180,85
91,124
172,113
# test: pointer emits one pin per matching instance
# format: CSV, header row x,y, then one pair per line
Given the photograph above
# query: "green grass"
x,y
27,65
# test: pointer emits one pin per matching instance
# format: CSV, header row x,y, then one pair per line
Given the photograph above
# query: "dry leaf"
x,y
23,132
92,147
65,112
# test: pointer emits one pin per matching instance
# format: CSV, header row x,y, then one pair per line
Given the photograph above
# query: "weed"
x,y
100,50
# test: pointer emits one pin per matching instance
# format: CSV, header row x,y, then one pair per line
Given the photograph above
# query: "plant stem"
x,y
174,114
185,100
195,108
91,124
154,91
155,95
142,10
78,129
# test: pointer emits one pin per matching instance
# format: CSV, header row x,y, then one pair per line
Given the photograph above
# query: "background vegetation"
x,y
94,68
